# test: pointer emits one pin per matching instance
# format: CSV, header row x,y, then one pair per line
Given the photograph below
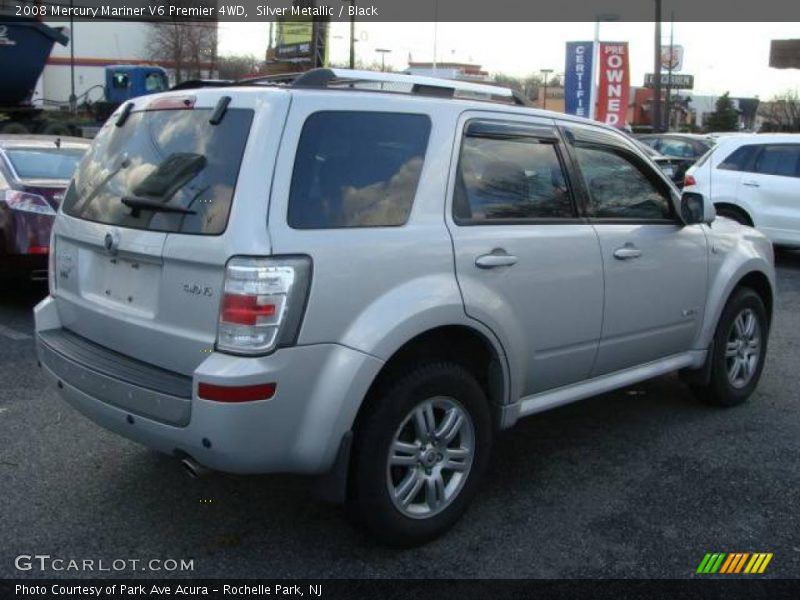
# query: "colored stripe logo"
x,y
731,563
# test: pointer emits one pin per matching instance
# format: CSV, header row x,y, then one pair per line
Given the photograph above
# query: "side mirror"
x,y
696,208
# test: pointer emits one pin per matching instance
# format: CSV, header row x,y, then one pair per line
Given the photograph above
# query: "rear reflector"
x,y
245,393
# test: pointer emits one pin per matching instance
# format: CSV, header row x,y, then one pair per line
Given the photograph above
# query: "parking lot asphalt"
x,y
642,482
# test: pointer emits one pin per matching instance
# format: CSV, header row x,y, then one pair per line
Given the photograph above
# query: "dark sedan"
x,y
34,172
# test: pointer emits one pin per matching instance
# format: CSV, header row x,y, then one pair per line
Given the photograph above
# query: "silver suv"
x,y
365,276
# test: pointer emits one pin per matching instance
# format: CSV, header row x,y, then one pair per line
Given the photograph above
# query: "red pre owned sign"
x,y
614,85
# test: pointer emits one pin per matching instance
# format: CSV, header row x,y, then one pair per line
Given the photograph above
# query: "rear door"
x,y
528,265
773,187
655,266
148,222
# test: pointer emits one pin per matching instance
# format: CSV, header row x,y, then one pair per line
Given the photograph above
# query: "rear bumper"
x,y
319,391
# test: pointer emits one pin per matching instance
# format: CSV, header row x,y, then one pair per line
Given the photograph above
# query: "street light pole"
x,y
595,59
545,72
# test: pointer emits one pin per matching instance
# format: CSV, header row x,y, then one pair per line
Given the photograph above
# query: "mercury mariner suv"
x,y
366,276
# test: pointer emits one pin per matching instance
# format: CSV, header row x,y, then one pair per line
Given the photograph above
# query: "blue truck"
x,y
25,46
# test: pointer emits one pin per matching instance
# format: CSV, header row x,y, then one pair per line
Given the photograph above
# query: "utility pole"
x,y
73,99
545,72
657,72
668,99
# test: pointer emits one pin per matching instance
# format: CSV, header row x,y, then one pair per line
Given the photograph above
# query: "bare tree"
x,y
187,47
782,113
238,66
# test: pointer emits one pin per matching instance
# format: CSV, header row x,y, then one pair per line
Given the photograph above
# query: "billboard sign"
x,y
671,58
614,86
784,54
578,78
294,39
677,81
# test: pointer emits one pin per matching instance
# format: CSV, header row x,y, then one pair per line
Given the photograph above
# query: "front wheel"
x,y
419,453
740,347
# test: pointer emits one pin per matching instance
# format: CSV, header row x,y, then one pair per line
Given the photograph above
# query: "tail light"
x,y
262,303
27,202
689,180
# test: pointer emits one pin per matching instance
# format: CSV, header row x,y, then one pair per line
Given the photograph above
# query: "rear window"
x,y
44,163
170,157
357,169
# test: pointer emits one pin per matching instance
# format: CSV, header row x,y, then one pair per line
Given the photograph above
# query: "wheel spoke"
x,y
735,369
424,421
434,491
739,325
409,487
404,454
455,459
731,349
754,344
450,426
749,325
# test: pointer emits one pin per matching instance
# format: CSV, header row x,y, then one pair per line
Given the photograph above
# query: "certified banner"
x,y
578,78
614,86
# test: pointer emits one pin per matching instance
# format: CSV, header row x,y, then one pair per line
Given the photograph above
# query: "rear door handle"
x,y
498,258
627,252
751,183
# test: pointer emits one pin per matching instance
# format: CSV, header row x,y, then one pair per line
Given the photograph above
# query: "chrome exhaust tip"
x,y
193,469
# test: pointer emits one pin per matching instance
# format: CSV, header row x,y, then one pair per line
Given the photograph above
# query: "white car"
x,y
755,180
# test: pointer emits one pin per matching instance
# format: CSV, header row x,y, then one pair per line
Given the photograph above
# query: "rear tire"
x,y
419,452
740,347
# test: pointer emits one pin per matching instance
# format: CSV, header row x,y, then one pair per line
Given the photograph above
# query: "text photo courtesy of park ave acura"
x,y
332,298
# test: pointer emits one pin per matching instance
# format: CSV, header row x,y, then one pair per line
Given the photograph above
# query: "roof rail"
x,y
325,78
428,86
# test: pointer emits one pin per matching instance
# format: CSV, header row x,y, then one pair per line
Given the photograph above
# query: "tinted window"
x,y
175,157
510,179
357,169
619,188
739,159
44,163
781,159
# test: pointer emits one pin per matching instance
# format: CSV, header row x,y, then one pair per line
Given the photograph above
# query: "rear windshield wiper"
x,y
137,203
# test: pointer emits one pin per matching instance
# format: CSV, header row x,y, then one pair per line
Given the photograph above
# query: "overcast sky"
x,y
722,56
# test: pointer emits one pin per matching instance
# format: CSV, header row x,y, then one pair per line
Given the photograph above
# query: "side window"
x,y
120,81
619,188
155,82
779,159
510,179
357,169
740,159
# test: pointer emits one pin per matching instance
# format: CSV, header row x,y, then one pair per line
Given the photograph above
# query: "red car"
x,y
34,173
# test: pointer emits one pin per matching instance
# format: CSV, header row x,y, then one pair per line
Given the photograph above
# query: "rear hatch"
x,y
156,208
